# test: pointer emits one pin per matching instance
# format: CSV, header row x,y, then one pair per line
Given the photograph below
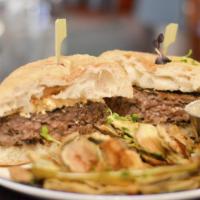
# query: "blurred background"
x,y
94,26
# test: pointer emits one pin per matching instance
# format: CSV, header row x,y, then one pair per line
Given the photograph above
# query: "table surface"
x,y
6,194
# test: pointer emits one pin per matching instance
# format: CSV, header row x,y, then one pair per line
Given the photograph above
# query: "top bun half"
x,y
143,72
44,85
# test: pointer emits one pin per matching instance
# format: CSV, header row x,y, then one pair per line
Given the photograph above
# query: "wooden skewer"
x,y
60,35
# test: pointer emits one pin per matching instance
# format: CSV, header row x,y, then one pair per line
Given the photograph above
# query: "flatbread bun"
x,y
177,75
45,85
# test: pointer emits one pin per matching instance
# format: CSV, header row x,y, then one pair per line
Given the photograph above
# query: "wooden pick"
x,y
60,35
169,36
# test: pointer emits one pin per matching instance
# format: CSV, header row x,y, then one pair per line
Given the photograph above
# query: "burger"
x,y
129,95
57,99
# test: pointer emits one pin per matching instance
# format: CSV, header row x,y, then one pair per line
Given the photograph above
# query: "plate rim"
x,y
53,194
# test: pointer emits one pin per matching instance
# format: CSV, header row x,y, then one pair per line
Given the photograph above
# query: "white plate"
x,y
56,195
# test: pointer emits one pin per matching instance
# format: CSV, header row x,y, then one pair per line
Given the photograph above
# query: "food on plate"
x,y
113,124
96,164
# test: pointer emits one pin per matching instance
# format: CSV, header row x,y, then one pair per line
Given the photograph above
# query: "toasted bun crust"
x,y
44,85
143,72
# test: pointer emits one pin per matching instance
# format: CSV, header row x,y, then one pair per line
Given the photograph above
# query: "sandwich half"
x,y
66,97
160,91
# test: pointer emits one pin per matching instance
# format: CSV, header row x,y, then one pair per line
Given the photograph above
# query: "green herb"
x,y
187,59
134,117
112,117
127,138
108,111
126,130
115,116
44,133
125,174
189,53
109,120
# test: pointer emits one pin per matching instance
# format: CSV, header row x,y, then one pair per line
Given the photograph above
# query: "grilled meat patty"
x,y
152,107
17,130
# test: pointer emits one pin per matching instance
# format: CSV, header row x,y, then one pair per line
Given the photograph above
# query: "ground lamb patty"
x,y
17,130
154,106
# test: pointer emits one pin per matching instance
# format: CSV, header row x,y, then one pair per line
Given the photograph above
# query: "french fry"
x,y
21,175
43,169
69,186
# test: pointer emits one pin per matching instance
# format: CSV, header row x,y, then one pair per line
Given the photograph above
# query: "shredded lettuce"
x,y
44,133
